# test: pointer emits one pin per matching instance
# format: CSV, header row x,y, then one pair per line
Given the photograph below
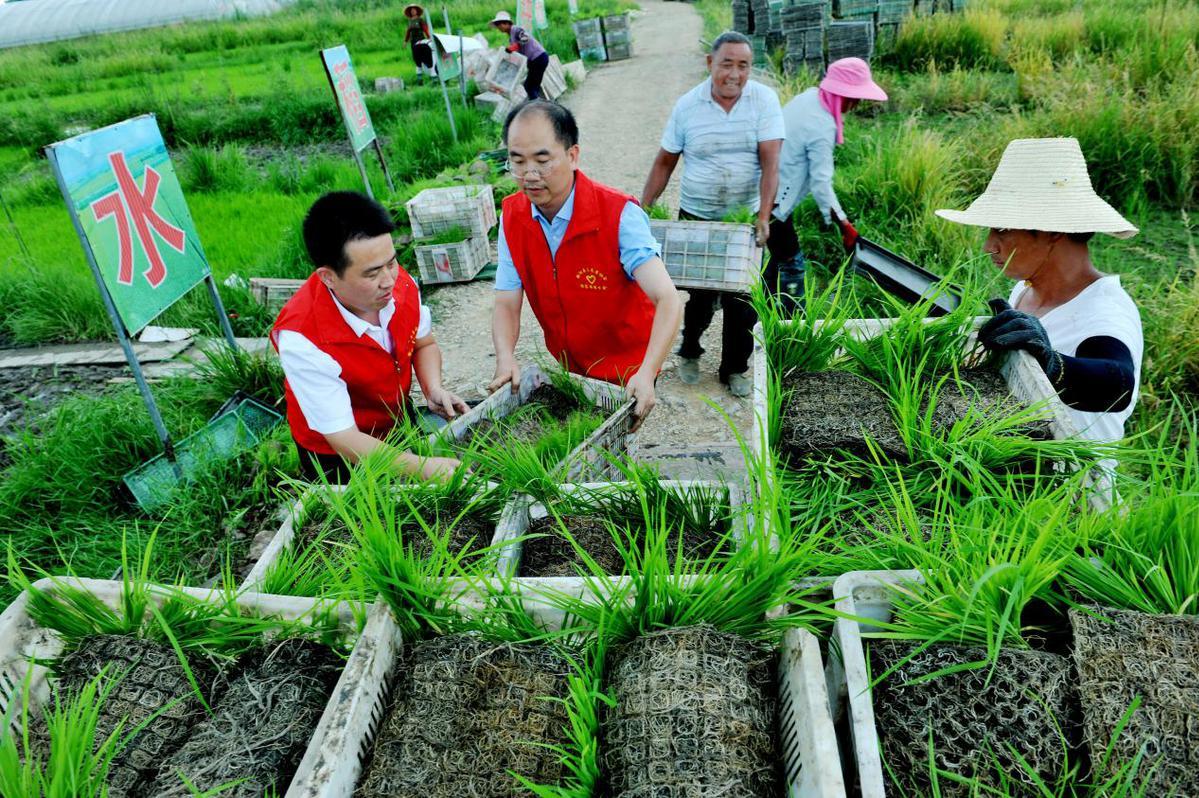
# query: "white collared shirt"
x,y
315,377
721,171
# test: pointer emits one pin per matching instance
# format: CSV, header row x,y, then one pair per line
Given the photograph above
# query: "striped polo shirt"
x,y
720,150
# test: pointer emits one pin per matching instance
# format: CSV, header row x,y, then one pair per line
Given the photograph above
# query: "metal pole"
x,y
220,310
115,317
13,222
445,95
462,68
383,163
366,181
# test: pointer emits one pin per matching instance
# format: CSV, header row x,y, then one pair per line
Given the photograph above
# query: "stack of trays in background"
x,y
850,40
803,27
589,37
437,213
618,37
741,17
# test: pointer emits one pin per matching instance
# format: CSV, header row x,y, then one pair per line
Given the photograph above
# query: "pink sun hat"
x,y
850,77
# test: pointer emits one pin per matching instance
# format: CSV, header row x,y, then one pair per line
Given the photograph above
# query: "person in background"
x,y
815,124
350,340
521,41
729,130
1079,323
417,37
584,255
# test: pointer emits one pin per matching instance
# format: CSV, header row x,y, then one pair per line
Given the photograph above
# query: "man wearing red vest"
x,y
584,255
350,340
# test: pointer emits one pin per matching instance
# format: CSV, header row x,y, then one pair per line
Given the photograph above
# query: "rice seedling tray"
x,y
507,74
619,52
25,647
523,511
589,461
1024,377
438,210
457,262
717,256
290,532
807,742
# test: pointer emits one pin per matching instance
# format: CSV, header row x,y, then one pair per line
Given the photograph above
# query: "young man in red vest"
x,y
350,340
584,255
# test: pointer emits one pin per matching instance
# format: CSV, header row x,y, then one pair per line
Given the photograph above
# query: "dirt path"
x,y
621,109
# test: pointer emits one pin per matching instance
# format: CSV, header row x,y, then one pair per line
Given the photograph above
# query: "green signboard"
x,y
447,58
349,96
129,210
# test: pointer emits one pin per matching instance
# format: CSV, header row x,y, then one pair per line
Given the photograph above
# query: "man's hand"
x,y
507,371
438,469
640,387
513,47
762,230
444,403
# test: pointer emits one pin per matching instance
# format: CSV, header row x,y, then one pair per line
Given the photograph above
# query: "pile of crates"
x,y
850,39
589,38
607,38
803,30
436,211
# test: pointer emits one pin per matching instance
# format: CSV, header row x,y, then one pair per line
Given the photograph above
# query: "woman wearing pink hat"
x,y
815,123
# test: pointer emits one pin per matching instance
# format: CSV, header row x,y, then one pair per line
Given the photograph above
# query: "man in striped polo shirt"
x,y
729,130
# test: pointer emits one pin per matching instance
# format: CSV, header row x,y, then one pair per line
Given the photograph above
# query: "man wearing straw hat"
x,y
1079,324
520,41
417,36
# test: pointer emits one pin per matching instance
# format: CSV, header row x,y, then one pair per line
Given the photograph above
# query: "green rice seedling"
x,y
740,216
658,211
452,236
210,169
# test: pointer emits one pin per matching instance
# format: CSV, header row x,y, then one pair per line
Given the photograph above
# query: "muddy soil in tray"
x,y
530,421
475,525
553,555
830,410
152,680
1121,655
988,390
974,715
694,716
466,710
260,726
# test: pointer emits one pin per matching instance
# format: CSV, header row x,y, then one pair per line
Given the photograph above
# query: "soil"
x,y
987,390
552,554
260,725
974,715
546,405
26,393
152,680
466,711
831,410
1121,655
694,716
475,526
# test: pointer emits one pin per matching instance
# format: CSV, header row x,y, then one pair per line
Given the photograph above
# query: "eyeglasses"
x,y
524,169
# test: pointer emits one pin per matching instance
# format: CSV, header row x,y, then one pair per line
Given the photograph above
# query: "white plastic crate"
x,y
25,647
522,510
435,211
1024,376
718,256
811,763
507,74
553,84
457,262
589,461
618,52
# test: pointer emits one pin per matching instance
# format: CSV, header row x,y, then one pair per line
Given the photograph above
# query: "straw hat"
x,y
501,16
1042,184
410,6
850,77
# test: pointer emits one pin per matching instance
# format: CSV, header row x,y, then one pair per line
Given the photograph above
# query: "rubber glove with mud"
x,y
1012,329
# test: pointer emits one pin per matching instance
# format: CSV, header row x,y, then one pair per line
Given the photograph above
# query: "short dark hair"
x,y
730,37
338,218
566,129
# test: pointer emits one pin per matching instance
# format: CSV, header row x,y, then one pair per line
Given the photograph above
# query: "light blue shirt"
x,y
721,171
806,163
637,243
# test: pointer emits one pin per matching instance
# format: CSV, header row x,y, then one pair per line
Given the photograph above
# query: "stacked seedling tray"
x,y
553,84
507,74
803,26
850,39
435,212
529,544
618,37
718,256
803,734
181,735
589,38
589,461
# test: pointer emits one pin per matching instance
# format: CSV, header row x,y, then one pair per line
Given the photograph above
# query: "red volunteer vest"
x,y
378,381
595,319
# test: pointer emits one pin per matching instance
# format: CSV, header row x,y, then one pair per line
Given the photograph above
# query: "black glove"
x,y
1012,329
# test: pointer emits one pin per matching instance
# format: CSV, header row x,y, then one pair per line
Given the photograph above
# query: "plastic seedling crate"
x,y
589,27
619,52
437,210
864,595
25,647
616,22
234,429
507,74
1024,376
617,37
718,256
590,460
294,518
458,262
522,510
811,763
